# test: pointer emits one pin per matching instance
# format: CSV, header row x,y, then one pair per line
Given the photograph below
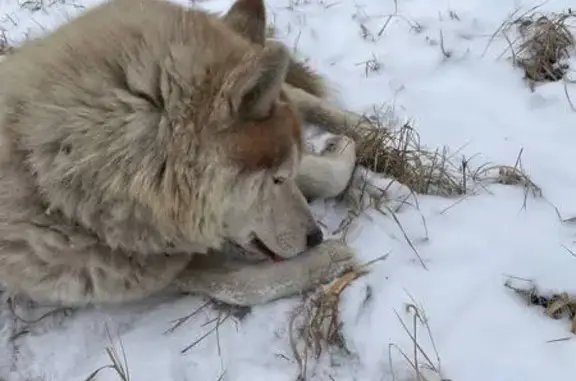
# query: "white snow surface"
x,y
474,102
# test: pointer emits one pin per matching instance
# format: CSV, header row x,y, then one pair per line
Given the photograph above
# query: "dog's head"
x,y
248,145
270,216
194,142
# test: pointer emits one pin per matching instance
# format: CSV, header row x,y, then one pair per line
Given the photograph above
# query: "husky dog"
x,y
146,147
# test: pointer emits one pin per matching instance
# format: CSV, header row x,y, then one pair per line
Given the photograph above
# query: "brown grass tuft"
x,y
397,152
544,45
315,324
556,306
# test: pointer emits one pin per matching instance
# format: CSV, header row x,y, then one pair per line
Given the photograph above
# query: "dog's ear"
x,y
248,18
258,83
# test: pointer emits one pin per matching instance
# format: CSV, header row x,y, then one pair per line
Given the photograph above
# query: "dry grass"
x,y
27,321
397,152
5,46
542,45
545,44
118,364
508,175
423,366
43,5
394,149
315,324
556,306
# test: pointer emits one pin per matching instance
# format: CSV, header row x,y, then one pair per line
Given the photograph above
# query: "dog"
x,y
146,147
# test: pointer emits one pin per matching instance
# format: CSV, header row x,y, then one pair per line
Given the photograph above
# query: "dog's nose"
x,y
314,238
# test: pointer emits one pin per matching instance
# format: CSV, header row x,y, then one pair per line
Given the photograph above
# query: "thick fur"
x,y
141,144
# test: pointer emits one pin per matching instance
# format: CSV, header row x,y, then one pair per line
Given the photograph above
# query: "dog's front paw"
x,y
332,146
329,260
339,146
327,168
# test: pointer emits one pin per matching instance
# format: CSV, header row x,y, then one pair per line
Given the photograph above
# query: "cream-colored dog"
x,y
148,148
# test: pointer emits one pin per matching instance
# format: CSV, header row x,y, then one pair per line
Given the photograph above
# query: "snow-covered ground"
x,y
473,101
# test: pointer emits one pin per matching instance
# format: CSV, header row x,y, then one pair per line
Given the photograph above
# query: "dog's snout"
x,y
314,238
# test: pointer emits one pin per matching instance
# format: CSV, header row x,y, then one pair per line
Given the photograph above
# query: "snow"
x,y
474,102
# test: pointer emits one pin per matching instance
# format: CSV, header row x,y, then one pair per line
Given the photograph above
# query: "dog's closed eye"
x,y
279,180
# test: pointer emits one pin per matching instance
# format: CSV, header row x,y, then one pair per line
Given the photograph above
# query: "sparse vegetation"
x,y
397,152
315,324
556,306
542,44
118,363
423,366
5,46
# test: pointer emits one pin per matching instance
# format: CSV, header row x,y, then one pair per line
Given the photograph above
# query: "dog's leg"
x,y
260,283
327,173
370,189
115,278
51,266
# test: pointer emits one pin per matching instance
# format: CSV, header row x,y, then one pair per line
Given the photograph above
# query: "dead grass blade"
x,y
28,324
5,46
408,240
424,368
118,364
219,321
178,322
509,175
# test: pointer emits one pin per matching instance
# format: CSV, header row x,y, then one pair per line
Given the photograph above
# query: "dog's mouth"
x,y
254,250
262,248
